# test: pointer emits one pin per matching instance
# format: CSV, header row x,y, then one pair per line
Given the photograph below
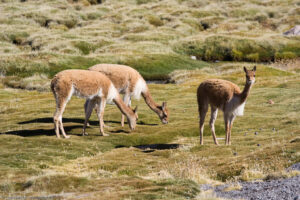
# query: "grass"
x,y
160,39
133,31
34,162
224,48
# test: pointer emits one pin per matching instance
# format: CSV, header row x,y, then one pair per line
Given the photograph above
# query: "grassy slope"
x,y
34,162
44,37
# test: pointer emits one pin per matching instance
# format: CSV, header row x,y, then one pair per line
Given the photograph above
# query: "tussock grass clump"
x,y
231,49
155,20
139,2
85,47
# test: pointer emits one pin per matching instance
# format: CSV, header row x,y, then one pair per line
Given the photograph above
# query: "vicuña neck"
x,y
245,92
123,108
150,102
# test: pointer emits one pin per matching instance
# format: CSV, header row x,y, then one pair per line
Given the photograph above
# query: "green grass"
x,y
152,67
158,39
33,161
225,48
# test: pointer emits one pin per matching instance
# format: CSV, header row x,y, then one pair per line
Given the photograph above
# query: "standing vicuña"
x,y
129,82
224,95
94,86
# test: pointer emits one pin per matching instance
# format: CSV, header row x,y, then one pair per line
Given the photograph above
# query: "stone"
x,y
270,101
293,32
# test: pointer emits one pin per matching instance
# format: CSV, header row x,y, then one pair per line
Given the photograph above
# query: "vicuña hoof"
x,y
84,134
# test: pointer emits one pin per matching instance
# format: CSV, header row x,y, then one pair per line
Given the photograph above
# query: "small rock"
x,y
271,102
293,32
193,57
256,133
297,197
260,129
258,145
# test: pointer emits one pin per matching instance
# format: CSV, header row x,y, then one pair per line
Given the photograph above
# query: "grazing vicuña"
x,y
129,82
95,87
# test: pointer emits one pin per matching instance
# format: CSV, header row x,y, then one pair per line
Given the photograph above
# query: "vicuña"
x,y
224,95
129,82
95,87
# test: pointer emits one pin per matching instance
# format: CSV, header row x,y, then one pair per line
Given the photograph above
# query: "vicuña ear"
x,y
136,109
245,69
164,105
254,68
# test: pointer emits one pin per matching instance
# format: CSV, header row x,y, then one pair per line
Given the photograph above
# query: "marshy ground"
x,y
158,38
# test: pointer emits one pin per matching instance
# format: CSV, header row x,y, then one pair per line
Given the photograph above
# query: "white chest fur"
x,y
112,93
239,111
140,87
235,107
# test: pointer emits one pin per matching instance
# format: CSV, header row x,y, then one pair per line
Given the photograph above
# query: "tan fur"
x,y
123,77
224,95
90,85
125,80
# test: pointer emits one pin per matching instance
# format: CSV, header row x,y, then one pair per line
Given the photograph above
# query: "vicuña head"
x,y
250,75
134,117
163,113
224,95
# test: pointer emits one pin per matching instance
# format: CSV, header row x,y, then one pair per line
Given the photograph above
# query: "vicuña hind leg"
x,y
56,122
214,114
60,108
202,113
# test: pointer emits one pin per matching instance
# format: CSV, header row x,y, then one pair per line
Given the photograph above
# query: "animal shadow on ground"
x,y
119,131
148,148
75,120
37,132
50,132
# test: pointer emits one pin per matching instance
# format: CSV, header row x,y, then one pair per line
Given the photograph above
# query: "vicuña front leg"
x,y
100,112
227,126
86,104
127,102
